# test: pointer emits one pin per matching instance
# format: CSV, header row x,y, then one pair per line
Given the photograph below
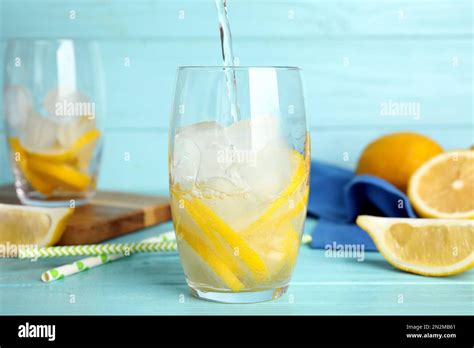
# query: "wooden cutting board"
x,y
109,215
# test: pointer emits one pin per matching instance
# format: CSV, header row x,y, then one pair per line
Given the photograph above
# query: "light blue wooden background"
x,y
355,55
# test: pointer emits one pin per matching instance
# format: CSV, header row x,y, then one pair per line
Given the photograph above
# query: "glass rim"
x,y
239,67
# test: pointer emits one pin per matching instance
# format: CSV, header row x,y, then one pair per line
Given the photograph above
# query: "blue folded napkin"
x,y
337,196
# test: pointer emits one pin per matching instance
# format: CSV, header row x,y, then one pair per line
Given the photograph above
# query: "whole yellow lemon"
x,y
395,157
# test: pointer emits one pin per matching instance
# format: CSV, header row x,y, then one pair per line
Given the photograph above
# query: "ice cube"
x,y
70,109
253,134
39,133
247,156
229,184
198,152
185,162
271,172
69,132
18,103
262,156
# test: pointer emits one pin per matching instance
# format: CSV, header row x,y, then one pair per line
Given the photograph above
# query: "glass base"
x,y
36,199
239,297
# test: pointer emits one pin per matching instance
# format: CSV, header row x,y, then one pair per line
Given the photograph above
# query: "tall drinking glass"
x,y
53,112
239,168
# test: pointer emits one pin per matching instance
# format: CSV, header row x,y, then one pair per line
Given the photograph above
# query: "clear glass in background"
x,y
238,184
53,112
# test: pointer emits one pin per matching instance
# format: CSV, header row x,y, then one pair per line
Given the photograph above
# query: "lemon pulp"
x,y
434,247
31,225
444,186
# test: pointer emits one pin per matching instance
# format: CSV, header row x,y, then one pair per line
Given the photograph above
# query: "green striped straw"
x,y
95,261
96,249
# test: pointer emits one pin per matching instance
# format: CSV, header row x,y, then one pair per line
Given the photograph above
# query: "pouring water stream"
x,y
228,58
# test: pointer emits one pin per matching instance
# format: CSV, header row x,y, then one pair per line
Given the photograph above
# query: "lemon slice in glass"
x,y
216,265
215,227
288,205
34,179
61,174
61,154
278,248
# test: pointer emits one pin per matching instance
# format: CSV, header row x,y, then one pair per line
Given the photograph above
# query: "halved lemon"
x,y
443,187
431,247
22,225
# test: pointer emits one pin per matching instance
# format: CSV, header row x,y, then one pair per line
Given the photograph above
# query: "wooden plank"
x,y
110,214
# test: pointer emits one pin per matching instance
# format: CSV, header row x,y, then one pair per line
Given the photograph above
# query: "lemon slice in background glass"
x,y
22,225
34,179
61,154
60,174
431,247
58,167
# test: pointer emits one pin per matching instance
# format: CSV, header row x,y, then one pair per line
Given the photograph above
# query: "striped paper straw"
x,y
77,267
96,250
91,262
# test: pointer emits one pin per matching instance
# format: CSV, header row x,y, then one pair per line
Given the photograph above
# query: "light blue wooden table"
x,y
155,284
355,56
